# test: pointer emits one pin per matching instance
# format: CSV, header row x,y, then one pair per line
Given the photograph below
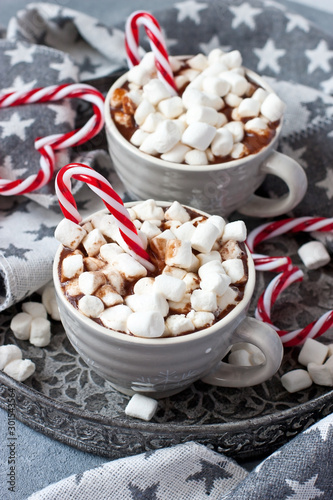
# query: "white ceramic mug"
x,y
217,189
160,367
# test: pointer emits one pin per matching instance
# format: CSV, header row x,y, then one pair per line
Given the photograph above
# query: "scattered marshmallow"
x,y
314,255
20,369
296,380
35,309
141,407
312,351
40,332
69,234
241,357
9,353
320,374
50,302
20,325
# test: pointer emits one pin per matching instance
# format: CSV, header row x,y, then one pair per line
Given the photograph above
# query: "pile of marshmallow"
x,y
318,359
32,323
190,292
193,128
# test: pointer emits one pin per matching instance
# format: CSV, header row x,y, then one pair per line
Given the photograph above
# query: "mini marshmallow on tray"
x,y
190,288
141,407
192,127
12,364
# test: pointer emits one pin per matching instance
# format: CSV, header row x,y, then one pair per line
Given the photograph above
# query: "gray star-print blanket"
x,y
302,469
47,44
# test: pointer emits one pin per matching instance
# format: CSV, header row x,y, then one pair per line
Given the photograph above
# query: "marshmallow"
x,y
150,230
272,108
155,91
196,157
211,267
108,296
221,120
135,96
238,83
201,319
178,253
215,55
231,250
236,129
9,353
144,286
148,210
87,226
116,317
260,95
219,222
138,137
191,281
227,299
214,85
72,288
181,307
89,281
222,143
296,380
314,254
235,270
109,251
175,272
325,237
40,332
91,306
202,114
239,150
69,234
175,63
241,357
149,324
235,231
93,242
204,236
217,283
257,125
150,302
330,350
190,74
143,110
176,154
20,369
35,309
177,212
171,288
185,231
141,407
209,256
232,100
194,97
20,325
129,267
232,59
329,363
199,135
72,266
181,81
199,62
249,108
177,324
312,352
148,62
172,107
138,75
115,279
150,125
320,374
202,300
93,264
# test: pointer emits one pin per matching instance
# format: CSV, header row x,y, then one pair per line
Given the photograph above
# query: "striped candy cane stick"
x,y
111,200
157,43
48,145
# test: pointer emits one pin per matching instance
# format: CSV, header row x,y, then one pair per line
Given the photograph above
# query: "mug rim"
x,y
120,336
163,164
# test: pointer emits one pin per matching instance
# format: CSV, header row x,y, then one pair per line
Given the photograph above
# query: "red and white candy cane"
x,y
290,275
111,200
157,43
48,145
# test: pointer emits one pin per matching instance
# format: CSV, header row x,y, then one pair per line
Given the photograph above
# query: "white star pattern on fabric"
x,y
319,57
66,69
18,84
213,43
296,21
271,3
244,14
327,85
327,184
296,154
304,491
64,113
7,169
190,9
22,53
15,126
325,425
268,56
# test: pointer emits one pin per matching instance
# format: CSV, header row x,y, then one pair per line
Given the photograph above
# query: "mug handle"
x,y
292,174
267,340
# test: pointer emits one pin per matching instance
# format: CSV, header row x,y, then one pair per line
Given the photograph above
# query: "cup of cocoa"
x,y
156,331
210,145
